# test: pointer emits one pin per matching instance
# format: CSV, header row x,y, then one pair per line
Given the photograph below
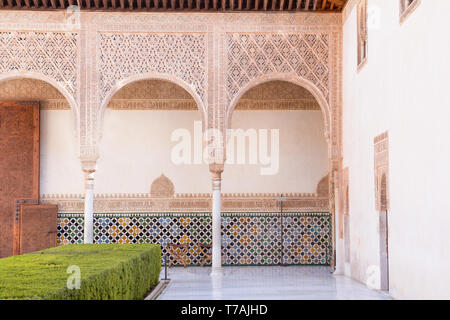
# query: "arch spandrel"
x,y
181,57
305,57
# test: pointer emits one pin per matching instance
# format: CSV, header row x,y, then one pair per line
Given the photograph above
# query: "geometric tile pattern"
x,y
247,238
53,54
70,228
179,54
251,55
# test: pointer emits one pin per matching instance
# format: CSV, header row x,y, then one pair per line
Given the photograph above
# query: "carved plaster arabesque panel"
x,y
251,55
145,202
52,54
212,26
381,169
317,62
323,187
162,187
277,95
34,90
204,24
122,55
162,198
164,95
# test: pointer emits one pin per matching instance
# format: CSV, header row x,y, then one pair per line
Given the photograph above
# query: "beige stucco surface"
x,y
302,148
60,171
136,148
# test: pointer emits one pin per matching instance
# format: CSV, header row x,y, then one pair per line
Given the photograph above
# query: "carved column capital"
x,y
88,166
88,153
216,170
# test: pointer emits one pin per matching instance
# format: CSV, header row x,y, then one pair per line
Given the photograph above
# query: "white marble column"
x,y
339,263
89,206
216,172
339,248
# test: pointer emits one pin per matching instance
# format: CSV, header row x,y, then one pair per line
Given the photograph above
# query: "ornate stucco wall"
x,y
216,58
90,56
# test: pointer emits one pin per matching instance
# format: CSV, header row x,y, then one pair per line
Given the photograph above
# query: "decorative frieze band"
x,y
189,104
200,214
54,104
279,104
153,104
189,202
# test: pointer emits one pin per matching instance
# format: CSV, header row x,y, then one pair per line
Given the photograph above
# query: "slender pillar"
x,y
338,223
339,245
89,206
216,171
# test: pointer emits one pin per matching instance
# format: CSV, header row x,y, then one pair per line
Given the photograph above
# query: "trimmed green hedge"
x,y
108,271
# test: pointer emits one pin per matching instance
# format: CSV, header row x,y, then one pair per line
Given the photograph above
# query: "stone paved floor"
x,y
260,283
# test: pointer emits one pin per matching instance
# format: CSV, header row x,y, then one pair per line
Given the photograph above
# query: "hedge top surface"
x,y
40,274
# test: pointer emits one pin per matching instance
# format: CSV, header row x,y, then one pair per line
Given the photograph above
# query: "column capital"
x,y
89,166
216,170
89,154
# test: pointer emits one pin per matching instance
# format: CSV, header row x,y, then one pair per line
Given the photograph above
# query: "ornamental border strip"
x,y
199,214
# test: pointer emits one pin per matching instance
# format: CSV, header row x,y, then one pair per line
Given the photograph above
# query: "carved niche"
x,y
323,187
162,187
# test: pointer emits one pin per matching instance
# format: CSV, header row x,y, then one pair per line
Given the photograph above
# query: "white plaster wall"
x,y
60,169
401,89
136,149
303,160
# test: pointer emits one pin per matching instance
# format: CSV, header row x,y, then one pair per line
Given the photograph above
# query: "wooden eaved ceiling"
x,y
179,5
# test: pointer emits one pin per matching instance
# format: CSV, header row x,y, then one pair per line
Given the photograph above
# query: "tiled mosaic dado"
x,y
247,238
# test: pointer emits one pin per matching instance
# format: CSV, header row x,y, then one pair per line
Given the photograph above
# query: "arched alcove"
x,y
60,170
151,76
303,150
142,124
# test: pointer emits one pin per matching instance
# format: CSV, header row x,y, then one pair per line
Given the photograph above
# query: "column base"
x,y
216,272
339,271
347,269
